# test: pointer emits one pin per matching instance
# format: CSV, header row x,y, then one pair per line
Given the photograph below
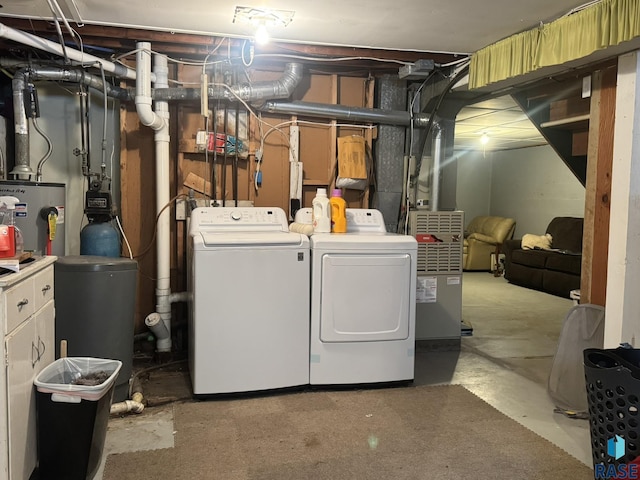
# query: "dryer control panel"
x,y
365,220
225,219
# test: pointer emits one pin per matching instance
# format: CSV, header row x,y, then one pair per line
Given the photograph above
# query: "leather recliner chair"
x,y
484,236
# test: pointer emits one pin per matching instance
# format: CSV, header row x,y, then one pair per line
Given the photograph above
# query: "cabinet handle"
x,y
44,348
34,360
46,289
22,303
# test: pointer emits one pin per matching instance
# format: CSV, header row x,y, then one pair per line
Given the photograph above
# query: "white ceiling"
x,y
462,26
502,120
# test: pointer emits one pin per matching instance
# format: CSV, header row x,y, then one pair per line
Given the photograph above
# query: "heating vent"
x,y
445,255
451,223
439,258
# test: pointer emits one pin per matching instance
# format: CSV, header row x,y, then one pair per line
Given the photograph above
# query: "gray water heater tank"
x,y
95,308
36,198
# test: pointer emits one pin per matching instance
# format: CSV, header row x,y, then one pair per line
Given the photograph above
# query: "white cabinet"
x,y
27,315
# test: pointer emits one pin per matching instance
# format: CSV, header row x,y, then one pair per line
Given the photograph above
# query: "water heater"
x,y
36,201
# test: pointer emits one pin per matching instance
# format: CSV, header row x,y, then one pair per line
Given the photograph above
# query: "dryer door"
x,y
365,297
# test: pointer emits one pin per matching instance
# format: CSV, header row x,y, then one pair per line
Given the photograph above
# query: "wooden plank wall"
x,y
317,152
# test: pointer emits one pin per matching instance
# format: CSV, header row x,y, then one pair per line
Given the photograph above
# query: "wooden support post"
x,y
595,243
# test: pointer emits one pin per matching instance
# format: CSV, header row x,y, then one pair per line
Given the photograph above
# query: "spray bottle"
x,y
11,243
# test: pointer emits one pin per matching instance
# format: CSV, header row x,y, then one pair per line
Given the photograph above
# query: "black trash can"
x,y
73,400
612,378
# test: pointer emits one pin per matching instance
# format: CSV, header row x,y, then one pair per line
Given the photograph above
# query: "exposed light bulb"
x,y
262,35
484,139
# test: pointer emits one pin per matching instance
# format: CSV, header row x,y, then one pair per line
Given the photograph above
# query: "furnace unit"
x,y
440,237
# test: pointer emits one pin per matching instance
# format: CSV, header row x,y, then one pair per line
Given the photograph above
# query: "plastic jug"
x,y
338,212
8,232
321,212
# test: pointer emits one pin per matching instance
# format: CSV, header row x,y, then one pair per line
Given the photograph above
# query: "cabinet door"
x,y
45,337
22,358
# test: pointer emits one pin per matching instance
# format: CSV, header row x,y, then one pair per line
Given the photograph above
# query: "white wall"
x,y
473,191
59,119
532,185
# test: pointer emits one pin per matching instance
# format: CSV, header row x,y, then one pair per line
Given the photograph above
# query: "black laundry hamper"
x,y
612,378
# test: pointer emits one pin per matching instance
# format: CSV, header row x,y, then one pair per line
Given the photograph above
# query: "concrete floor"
x,y
505,362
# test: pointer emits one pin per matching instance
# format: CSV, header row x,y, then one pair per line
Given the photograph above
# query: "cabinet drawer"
x,y
20,304
42,288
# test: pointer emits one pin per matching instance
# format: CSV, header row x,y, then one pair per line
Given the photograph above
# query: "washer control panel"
x,y
365,220
239,218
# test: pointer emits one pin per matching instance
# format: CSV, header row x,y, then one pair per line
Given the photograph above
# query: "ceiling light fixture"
x,y
262,34
262,19
484,139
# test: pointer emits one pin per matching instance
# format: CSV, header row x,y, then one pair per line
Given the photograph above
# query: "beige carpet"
x,y
427,432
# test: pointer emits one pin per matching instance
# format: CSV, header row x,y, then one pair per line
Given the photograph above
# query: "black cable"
x,y
427,131
215,154
223,181
234,180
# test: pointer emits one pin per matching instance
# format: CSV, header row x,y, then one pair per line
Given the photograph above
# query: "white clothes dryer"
x,y
249,315
363,287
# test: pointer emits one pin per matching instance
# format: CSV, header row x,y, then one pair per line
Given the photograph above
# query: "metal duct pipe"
x,y
19,83
21,164
78,76
76,55
342,112
438,160
281,88
258,91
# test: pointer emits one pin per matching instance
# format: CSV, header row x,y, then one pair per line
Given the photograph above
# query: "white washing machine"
x,y
249,315
363,298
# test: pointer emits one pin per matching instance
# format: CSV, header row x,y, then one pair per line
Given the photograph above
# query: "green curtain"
x,y
575,36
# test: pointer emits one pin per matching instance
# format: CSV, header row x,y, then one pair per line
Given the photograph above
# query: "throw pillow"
x,y
531,241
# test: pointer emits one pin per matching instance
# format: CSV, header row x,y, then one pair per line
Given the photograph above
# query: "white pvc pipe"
x,y
143,88
179,297
159,121
76,55
126,406
163,336
163,197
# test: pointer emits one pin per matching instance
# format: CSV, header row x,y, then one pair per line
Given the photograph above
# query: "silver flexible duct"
x,y
21,164
258,91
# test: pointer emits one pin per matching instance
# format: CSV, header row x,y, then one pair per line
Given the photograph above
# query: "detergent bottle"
x,y
321,213
338,212
8,234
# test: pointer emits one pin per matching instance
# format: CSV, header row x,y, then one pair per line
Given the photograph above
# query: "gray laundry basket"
x,y
613,391
583,328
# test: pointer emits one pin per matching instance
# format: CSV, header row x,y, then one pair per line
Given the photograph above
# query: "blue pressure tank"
x,y
100,239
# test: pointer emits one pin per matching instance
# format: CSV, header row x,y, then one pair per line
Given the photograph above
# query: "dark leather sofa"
x,y
555,271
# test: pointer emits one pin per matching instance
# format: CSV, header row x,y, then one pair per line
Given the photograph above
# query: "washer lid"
x,y
243,239
370,241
